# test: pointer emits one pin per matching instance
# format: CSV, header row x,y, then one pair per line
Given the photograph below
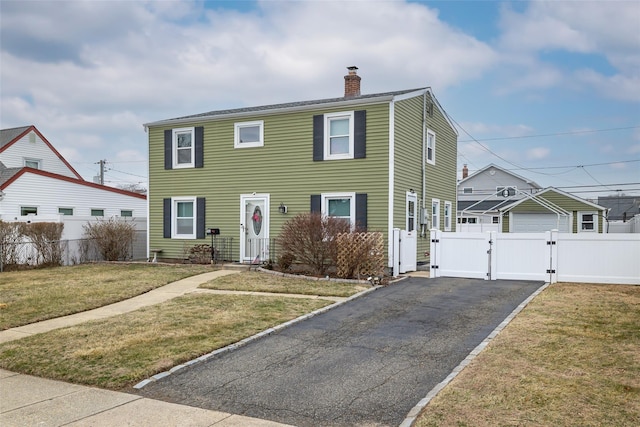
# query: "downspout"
x,y
391,183
146,130
423,227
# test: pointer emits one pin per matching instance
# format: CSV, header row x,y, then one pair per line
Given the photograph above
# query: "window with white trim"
x,y
183,219
126,213
28,210
431,147
495,220
33,163
65,211
248,134
467,190
505,191
338,136
435,213
97,212
588,221
183,148
340,205
447,216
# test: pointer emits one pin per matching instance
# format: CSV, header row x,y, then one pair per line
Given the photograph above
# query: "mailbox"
x,y
213,231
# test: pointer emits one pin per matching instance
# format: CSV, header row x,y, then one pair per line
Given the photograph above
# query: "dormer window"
x,y
33,163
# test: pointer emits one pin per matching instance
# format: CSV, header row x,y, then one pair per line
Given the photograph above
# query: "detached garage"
x,y
553,209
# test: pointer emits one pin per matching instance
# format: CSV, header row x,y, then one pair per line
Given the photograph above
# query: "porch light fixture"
x,y
282,208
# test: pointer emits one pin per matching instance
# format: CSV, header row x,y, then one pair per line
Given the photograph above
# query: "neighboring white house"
x,y
38,184
482,194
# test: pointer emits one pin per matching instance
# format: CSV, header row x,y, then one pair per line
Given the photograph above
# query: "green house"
x,y
383,161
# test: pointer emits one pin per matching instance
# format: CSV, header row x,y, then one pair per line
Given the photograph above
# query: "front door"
x,y
254,228
409,236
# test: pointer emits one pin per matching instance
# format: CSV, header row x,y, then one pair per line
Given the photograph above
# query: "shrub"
x,y
114,238
285,261
10,239
311,239
45,237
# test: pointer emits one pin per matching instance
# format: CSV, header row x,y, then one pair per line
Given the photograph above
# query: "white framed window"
x,y
435,213
33,163
431,147
340,205
183,148
495,220
447,216
248,134
97,212
338,136
65,211
467,190
28,210
183,218
126,213
587,222
506,191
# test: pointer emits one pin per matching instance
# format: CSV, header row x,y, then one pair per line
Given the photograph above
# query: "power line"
x,y
544,135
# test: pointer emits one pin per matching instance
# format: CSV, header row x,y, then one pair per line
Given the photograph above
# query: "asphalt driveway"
x,y
367,362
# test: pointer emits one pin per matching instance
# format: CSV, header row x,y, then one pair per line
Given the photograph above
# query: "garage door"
x,y
539,222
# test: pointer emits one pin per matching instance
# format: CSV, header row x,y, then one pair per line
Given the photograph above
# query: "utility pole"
x,y
101,163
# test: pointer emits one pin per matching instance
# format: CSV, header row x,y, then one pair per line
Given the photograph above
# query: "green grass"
x,y
265,282
34,295
570,358
120,351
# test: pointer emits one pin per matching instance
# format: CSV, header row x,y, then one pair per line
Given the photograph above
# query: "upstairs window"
x,y
32,163
467,190
431,147
340,135
249,134
183,148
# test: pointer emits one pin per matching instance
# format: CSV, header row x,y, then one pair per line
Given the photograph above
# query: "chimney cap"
x,y
352,69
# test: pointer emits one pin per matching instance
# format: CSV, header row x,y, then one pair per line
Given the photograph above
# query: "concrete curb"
x,y
257,336
415,411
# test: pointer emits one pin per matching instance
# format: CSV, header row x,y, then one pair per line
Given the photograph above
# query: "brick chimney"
x,y
352,83
465,171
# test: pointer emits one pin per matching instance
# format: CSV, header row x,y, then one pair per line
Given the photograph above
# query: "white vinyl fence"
x,y
549,256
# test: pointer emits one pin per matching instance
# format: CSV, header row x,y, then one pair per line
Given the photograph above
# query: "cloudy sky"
x,y
550,90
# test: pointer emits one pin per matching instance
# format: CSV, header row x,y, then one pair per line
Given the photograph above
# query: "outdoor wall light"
x,y
282,208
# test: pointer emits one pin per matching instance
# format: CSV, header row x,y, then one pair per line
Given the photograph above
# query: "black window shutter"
x,y
316,202
199,160
361,211
166,218
360,134
318,138
200,218
168,149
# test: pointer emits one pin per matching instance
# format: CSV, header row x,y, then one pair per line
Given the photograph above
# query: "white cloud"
x,y
538,153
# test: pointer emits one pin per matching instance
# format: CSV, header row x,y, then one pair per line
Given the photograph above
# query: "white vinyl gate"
x,y
549,256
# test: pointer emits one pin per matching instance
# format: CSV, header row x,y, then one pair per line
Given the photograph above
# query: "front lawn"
x,y
34,295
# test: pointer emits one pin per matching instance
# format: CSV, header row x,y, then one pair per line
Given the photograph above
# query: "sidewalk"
x,y
33,401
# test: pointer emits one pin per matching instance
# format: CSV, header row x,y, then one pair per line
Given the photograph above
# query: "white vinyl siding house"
x,y
33,150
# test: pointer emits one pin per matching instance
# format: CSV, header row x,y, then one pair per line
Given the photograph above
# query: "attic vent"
x,y
32,138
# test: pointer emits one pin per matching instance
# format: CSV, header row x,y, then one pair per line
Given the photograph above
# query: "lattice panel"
x,y
360,255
